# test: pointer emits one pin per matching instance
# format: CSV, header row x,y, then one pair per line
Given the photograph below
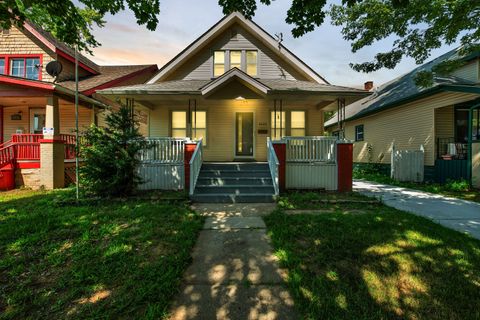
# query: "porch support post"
x,y
52,149
188,153
345,166
280,148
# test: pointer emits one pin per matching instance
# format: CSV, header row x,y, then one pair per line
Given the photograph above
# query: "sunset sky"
x,y
182,21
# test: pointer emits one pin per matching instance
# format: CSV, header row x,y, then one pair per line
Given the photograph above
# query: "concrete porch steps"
x,y
234,183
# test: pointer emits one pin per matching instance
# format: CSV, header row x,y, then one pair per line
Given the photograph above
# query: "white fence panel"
x,y
162,166
161,176
311,163
408,165
311,176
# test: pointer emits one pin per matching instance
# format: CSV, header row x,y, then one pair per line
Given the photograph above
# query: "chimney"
x,y
368,85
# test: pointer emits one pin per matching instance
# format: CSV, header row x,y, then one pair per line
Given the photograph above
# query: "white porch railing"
x,y
311,163
163,150
196,165
311,149
161,164
273,163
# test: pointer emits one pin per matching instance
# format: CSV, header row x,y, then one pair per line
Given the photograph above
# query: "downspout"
x,y
469,141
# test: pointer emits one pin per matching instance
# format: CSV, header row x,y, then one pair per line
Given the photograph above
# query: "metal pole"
x,y
77,189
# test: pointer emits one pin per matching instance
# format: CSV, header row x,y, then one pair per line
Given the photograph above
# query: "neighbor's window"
x,y
297,123
236,59
218,63
25,68
199,126
2,65
277,125
252,63
179,124
359,133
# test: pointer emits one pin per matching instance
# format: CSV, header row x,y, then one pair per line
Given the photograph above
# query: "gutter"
x,y
82,96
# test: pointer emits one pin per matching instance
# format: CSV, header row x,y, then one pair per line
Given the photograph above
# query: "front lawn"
x,y
368,261
120,259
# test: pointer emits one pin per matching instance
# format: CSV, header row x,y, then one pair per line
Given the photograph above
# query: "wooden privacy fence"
x,y
311,163
161,164
407,165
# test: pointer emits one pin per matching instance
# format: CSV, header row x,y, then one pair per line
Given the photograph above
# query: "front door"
x,y
37,120
244,134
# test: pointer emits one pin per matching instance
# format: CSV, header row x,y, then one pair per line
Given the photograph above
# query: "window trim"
x,y
9,57
225,54
356,132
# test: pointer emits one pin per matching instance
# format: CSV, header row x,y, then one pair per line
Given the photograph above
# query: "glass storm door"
x,y
37,120
244,134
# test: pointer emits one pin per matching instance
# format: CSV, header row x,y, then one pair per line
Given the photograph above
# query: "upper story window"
x,y
218,63
251,63
23,67
236,59
241,59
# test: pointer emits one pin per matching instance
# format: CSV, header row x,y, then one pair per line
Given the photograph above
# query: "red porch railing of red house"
x,y
26,147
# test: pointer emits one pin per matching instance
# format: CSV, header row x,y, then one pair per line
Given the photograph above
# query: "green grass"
x,y
457,189
368,261
120,259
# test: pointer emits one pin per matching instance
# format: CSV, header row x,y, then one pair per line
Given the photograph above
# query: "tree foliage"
x,y
110,155
73,23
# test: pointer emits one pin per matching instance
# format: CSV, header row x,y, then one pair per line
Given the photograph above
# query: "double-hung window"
x,y
277,125
297,123
199,126
359,133
218,63
179,124
251,63
236,59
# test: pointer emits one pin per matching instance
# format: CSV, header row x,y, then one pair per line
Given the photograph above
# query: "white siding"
x,y
470,71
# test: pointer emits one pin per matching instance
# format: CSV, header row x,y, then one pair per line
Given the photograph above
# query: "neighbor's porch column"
x,y
52,149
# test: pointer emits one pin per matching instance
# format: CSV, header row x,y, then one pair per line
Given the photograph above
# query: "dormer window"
x,y
245,60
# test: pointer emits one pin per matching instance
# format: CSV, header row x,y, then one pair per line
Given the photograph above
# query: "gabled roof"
x,y
59,47
109,76
250,26
403,89
231,75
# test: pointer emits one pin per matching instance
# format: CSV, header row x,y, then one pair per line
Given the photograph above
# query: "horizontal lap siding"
x,y
470,71
408,126
67,119
220,142
270,66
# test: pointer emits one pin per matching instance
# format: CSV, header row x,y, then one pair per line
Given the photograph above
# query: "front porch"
x,y
457,137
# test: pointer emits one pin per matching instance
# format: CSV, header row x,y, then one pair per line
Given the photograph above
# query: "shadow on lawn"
x,y
109,260
381,265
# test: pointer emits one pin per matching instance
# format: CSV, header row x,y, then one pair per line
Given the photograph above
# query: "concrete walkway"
x,y
234,274
453,213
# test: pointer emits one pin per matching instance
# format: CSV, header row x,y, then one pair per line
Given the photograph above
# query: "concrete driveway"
x,y
453,213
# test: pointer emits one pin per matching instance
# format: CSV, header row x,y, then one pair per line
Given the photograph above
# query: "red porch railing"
x,y
27,147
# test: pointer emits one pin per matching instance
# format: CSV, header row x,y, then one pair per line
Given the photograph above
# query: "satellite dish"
x,y
54,68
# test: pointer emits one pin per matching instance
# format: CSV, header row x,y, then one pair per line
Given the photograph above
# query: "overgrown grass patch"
x,y
107,259
379,264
